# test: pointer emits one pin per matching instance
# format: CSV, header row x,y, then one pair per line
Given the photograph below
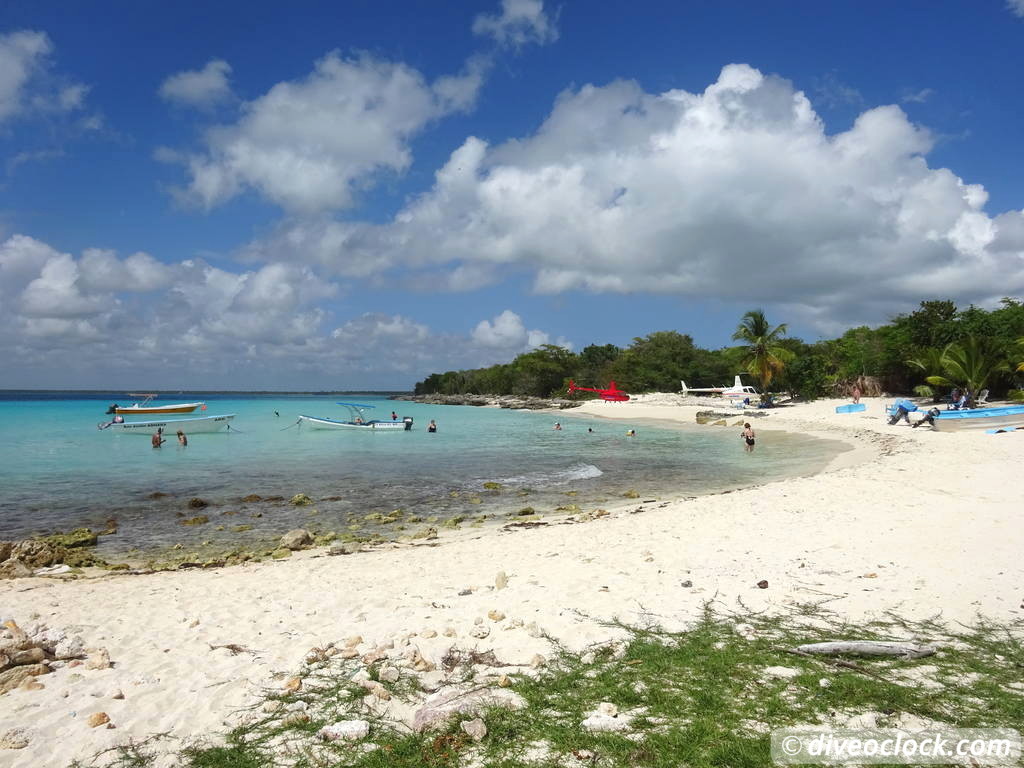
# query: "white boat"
x,y
356,420
990,419
144,406
170,426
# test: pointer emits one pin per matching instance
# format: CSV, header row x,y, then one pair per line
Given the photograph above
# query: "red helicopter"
x,y
613,394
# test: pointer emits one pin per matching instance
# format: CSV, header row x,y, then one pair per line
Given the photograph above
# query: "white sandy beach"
x,y
911,521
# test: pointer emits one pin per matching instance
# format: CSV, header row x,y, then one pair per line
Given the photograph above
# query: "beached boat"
x,y
357,420
170,426
1004,417
144,406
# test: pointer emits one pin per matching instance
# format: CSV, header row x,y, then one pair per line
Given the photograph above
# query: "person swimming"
x,y
558,427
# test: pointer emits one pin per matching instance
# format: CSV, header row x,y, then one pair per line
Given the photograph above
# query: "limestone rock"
x,y
196,503
281,554
36,554
98,659
28,656
438,708
15,738
292,684
347,548
345,730
389,674
495,615
300,500
97,719
784,673
598,723
12,678
501,580
296,539
480,631
13,568
475,729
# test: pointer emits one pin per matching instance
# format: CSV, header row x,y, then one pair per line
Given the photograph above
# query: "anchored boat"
x,y
187,425
1004,417
144,406
357,420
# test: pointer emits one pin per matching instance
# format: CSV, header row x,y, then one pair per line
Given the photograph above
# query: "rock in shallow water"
x,y
296,539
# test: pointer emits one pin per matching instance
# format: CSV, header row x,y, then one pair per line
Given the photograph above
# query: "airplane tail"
x,y
737,383
685,390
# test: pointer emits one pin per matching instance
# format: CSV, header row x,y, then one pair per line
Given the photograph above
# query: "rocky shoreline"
x,y
515,402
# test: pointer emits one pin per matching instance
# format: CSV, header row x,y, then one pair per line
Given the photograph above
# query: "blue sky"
x,y
350,195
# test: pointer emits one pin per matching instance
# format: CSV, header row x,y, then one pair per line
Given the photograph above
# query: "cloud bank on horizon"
x,y
737,192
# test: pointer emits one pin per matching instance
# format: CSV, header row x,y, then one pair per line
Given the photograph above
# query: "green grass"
x,y
698,698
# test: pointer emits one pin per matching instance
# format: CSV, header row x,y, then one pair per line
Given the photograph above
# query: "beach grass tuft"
x,y
707,696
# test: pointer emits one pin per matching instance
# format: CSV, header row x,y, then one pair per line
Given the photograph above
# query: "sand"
x,y
910,521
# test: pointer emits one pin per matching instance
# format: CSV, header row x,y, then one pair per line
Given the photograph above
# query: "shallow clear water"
x,y
58,471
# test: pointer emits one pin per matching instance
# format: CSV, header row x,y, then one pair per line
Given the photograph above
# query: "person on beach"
x,y
432,426
158,437
748,437
856,393
558,427
182,439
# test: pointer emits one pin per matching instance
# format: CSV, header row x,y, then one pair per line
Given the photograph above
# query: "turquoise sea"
x,y
57,471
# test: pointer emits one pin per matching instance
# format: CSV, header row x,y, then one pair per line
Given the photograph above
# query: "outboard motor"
x,y
113,408
407,420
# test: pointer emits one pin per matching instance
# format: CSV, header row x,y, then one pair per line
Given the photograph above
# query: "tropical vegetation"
x,y
930,350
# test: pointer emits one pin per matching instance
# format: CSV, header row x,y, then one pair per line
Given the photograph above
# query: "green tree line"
x,y
929,350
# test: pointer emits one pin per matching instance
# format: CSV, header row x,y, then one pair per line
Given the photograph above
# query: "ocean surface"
x,y
58,471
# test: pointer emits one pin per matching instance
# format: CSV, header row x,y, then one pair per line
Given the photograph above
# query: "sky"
x,y
324,195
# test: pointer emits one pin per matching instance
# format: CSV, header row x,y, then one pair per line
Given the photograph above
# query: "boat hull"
x,y
980,419
150,409
315,422
170,426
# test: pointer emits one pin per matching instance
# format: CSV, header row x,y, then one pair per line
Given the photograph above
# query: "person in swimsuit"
x,y
182,439
158,437
432,427
558,427
748,437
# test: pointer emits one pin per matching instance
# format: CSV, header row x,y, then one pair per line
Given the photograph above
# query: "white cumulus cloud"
x,y
520,22
26,81
188,324
1016,6
203,88
307,144
737,192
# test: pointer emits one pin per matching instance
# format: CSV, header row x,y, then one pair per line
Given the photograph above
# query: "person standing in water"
x,y
182,439
432,426
158,437
748,437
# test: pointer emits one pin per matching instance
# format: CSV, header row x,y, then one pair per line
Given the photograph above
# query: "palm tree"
x,y
764,357
969,365
931,362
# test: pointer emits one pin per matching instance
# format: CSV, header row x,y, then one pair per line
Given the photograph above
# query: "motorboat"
x,y
357,420
187,425
144,406
991,419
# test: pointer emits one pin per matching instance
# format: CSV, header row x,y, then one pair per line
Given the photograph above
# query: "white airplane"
x,y
737,390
